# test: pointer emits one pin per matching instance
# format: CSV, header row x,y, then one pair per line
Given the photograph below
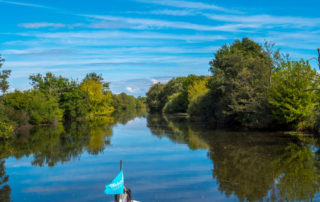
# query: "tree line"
x,y
55,98
251,86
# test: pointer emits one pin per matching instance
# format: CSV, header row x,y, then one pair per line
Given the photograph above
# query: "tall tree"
x,y
155,98
98,78
73,101
239,83
54,85
292,96
99,102
4,75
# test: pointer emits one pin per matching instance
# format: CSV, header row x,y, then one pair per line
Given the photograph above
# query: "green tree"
x,y
159,94
183,89
292,96
98,78
99,102
40,107
175,85
51,84
123,101
175,104
4,75
73,101
199,100
198,88
6,130
155,98
239,84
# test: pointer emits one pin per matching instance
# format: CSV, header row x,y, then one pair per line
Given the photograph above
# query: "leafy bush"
x,y
99,102
6,130
40,107
175,104
155,98
292,96
201,108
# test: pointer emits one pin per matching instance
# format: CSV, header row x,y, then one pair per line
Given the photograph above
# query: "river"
x,y
164,159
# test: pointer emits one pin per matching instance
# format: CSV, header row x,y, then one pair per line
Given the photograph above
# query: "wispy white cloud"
x,y
37,25
145,23
111,61
267,19
98,35
38,52
187,4
25,72
307,40
32,5
44,51
24,4
291,21
94,25
79,61
107,25
173,12
163,49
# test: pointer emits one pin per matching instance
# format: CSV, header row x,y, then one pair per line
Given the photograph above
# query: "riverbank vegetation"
x,y
251,86
54,98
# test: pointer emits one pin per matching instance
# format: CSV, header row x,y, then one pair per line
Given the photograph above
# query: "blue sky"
x,y
135,43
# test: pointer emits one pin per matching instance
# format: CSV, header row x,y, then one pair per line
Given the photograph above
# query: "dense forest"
x,y
55,98
252,86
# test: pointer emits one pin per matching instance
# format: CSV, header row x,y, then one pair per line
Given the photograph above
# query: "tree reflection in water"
x,y
299,177
4,187
250,165
50,145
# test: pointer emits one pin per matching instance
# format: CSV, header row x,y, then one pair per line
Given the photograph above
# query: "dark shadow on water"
x,y
250,165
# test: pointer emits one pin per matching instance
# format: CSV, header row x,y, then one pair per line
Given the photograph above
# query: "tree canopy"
x,y
251,86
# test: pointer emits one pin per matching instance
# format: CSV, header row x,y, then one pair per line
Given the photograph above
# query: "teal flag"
x,y
116,186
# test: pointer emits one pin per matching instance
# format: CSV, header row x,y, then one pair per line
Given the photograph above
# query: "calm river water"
x,y
164,159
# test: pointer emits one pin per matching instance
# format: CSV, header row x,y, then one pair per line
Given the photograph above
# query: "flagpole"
x,y
117,196
126,196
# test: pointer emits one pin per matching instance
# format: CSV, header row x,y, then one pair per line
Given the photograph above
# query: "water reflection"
x,y
298,173
251,166
50,145
57,144
177,129
248,166
4,187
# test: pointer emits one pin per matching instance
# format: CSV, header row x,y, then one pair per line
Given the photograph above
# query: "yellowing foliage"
x,y
6,130
198,88
98,100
